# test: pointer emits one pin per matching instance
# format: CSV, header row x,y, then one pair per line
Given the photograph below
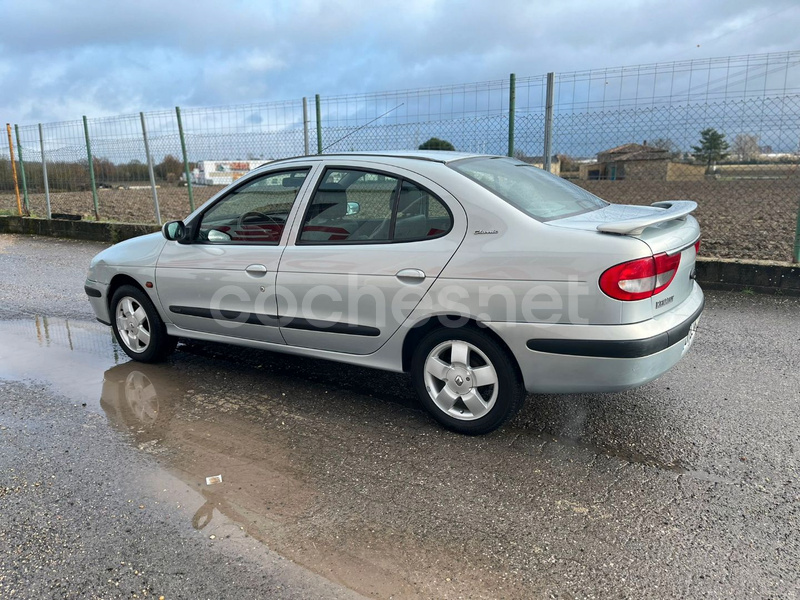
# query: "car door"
x,y
223,280
367,249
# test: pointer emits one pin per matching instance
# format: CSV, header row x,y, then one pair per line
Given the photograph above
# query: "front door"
x,y
223,281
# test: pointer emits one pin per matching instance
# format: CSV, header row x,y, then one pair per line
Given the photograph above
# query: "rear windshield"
x,y
535,192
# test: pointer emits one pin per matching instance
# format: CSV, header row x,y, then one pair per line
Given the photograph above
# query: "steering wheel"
x,y
262,217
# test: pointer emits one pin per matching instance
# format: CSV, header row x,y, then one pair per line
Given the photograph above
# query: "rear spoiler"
x,y
673,210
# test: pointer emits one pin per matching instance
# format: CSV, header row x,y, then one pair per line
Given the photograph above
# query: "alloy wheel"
x,y
461,380
133,324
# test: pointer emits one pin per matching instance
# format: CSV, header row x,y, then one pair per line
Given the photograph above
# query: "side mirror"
x,y
174,231
353,208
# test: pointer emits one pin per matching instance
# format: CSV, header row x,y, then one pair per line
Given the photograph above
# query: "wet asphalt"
x,y
334,480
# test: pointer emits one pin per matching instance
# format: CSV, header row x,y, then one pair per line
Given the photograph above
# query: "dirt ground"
x,y
751,219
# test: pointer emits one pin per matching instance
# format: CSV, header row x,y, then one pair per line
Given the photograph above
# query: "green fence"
x,y
723,132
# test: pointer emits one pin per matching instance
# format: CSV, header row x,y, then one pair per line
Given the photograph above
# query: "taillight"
x,y
697,246
641,278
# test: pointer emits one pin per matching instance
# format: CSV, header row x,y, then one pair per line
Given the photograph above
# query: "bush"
x,y
436,144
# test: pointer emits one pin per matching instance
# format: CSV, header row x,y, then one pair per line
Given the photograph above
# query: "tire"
x,y
444,369
138,327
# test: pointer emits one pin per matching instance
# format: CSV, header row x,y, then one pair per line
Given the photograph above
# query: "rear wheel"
x,y
466,380
138,327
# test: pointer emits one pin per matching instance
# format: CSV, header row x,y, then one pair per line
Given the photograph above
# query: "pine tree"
x,y
712,148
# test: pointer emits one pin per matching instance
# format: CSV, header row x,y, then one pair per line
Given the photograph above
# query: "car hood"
x,y
142,251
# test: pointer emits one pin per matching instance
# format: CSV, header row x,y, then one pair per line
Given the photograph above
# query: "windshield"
x,y
535,192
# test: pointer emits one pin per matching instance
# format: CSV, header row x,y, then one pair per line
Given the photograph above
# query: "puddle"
x,y
70,356
364,493
195,426
183,427
267,484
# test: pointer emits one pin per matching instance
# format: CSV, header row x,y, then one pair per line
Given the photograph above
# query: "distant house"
x,y
629,161
639,162
538,161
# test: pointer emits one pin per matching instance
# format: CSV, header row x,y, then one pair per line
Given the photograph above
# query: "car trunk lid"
x,y
666,228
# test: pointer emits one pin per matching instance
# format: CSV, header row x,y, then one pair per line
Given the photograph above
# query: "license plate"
x,y
692,332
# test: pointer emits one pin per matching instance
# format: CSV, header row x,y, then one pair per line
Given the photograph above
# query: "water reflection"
x,y
197,435
130,396
78,336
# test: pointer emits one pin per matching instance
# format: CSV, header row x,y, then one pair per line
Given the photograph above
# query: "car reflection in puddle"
x,y
193,440
276,473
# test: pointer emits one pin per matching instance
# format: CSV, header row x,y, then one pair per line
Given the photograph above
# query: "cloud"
x,y
61,59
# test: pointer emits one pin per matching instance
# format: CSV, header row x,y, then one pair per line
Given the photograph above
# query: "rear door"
x,y
366,250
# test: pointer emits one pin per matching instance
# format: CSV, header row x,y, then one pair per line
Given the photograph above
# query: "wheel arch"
x,y
118,281
448,321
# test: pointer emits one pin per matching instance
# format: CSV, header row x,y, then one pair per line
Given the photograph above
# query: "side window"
x,y
359,206
420,215
351,206
254,213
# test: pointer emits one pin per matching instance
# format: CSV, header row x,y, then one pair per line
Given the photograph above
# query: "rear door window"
x,y
420,214
355,206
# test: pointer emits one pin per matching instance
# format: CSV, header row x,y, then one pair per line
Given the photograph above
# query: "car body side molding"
x,y
275,321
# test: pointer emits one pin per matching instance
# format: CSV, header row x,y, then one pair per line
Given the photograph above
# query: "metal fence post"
x,y
91,168
305,125
512,101
796,257
13,168
150,170
185,159
44,174
548,124
22,171
319,125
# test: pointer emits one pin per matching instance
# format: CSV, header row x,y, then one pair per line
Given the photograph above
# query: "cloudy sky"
x,y
60,59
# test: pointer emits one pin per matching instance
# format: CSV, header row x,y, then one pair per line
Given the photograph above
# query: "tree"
x,y
712,148
745,146
436,144
169,169
668,145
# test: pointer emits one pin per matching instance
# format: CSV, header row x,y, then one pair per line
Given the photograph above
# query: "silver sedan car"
x,y
482,276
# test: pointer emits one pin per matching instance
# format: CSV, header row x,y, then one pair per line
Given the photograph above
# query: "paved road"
x,y
687,487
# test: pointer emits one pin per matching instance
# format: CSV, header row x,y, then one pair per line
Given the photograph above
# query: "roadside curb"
x,y
762,276
92,231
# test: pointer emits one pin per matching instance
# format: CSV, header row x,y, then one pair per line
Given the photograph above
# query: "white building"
x,y
222,172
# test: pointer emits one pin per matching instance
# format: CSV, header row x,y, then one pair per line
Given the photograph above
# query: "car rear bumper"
x,y
601,358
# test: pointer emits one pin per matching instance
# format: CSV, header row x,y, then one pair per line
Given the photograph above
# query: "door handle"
x,y
256,270
411,275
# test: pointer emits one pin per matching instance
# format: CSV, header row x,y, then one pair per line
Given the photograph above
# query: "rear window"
x,y
535,192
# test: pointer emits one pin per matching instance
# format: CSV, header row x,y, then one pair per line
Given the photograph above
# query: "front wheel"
x,y
466,380
138,327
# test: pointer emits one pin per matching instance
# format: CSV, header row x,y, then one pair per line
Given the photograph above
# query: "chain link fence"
x,y
723,132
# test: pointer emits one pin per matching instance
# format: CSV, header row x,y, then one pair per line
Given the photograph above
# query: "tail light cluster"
x,y
641,278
